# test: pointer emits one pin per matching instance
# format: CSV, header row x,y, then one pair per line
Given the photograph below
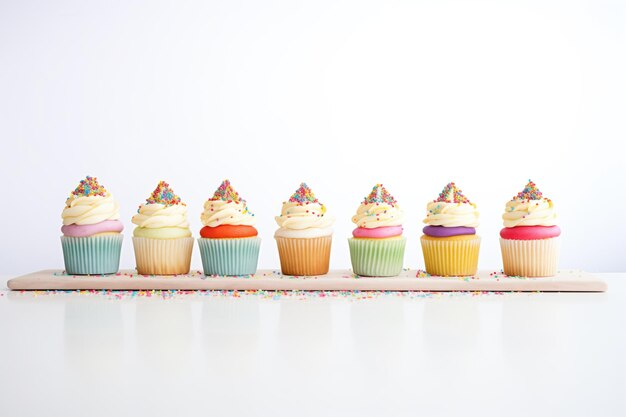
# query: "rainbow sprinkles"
x,y
530,192
379,195
163,194
89,187
452,194
303,195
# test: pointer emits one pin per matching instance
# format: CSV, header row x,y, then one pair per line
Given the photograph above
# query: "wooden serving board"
x,y
337,280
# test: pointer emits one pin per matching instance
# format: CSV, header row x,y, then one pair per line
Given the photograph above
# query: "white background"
x,y
341,94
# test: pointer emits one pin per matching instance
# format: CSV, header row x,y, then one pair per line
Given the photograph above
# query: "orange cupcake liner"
x,y
299,256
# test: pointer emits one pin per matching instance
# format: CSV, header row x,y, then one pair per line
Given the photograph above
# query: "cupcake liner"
x,y
446,257
92,255
300,256
530,258
229,256
163,256
377,257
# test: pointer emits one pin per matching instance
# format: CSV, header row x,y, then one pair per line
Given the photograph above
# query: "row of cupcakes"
x,y
229,242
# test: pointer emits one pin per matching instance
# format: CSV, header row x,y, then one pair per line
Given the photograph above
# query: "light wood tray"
x,y
337,280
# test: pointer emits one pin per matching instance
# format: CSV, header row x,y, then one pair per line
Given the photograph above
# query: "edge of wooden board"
x,y
336,280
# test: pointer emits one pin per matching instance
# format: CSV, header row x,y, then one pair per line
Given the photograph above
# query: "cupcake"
x,y
162,239
229,244
305,235
449,243
377,245
92,238
530,238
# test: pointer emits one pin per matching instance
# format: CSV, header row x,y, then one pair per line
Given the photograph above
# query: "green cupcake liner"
x,y
229,256
377,257
92,255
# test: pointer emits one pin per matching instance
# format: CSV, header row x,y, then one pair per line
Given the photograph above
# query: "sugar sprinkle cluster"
x,y
163,194
226,192
530,192
452,194
89,187
379,195
303,195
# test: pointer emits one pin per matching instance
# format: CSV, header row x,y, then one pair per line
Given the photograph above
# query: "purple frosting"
x,y
441,231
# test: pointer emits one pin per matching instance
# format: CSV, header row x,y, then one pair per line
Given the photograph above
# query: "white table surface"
x,y
205,354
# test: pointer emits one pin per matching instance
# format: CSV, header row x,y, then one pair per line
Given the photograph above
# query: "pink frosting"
x,y
530,232
377,232
84,230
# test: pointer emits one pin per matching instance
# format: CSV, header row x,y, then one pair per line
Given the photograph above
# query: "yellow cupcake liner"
x,y
300,256
451,257
163,256
530,258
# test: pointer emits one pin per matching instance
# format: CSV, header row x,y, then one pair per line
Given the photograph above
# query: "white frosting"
x,y
303,216
446,214
306,220
155,216
90,210
372,215
220,212
304,233
529,213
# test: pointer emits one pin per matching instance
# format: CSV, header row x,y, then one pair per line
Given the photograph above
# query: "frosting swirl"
x,y
378,215
226,207
378,209
529,213
303,216
451,214
451,209
529,208
301,213
156,216
218,213
90,203
90,210
163,212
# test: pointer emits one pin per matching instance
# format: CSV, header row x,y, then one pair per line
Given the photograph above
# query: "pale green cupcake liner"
x,y
377,257
238,256
92,255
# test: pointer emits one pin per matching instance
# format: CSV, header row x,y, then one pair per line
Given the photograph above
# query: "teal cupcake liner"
x,y
229,256
377,257
92,255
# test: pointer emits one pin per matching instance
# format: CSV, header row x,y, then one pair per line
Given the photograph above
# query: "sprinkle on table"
x,y
270,295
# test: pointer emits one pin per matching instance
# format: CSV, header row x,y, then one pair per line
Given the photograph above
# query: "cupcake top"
x,y
163,209
451,209
90,203
378,209
226,207
303,216
529,208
